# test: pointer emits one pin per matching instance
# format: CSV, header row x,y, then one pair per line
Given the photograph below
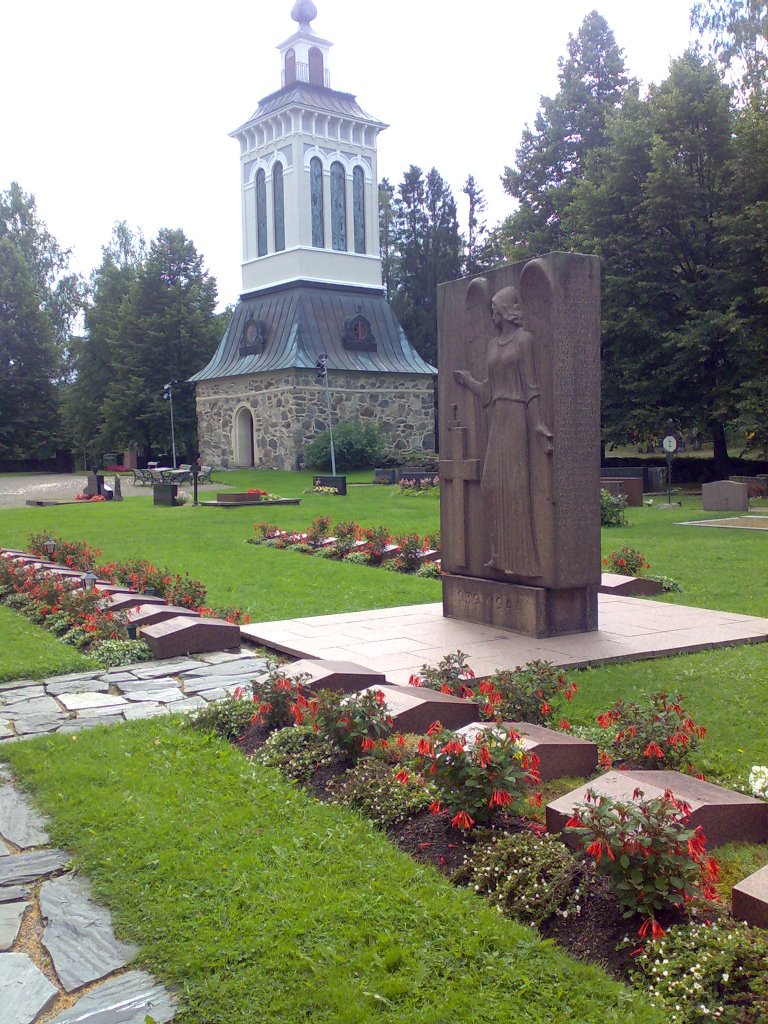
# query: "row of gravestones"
x,y
725,816
390,550
168,630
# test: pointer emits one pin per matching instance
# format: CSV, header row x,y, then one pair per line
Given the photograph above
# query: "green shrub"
x,y
627,561
357,722
372,788
357,446
229,717
120,652
656,734
429,571
526,876
702,972
533,693
297,752
613,509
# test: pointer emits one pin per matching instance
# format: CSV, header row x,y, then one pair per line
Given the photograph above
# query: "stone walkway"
x,y
60,961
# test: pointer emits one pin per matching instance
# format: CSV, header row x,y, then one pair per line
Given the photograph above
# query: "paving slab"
x,y
24,990
90,701
166,696
20,823
250,667
137,711
219,657
11,916
25,708
28,867
131,998
73,677
16,696
94,685
187,704
6,733
12,893
17,684
146,685
37,725
78,933
113,678
167,667
658,630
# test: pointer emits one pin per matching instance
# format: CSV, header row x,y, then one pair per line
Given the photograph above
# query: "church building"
x,y
312,282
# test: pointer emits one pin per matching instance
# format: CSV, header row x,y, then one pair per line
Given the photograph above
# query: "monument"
x,y
519,400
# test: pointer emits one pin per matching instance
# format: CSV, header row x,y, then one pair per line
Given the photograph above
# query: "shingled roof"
x,y
292,325
310,96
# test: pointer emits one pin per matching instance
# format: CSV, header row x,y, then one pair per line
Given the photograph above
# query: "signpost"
x,y
322,378
669,444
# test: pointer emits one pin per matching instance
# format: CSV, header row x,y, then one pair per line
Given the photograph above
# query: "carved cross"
x,y
459,471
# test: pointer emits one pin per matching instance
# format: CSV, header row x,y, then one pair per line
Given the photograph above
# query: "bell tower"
x,y
309,182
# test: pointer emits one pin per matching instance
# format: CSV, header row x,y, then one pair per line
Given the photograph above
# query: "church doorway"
x,y
245,448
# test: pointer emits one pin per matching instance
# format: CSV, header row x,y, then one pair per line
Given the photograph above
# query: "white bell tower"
x,y
309,179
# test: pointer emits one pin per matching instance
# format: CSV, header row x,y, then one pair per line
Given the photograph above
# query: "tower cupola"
x,y
304,56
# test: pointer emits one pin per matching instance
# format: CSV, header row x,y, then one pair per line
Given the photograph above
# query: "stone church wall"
x,y
289,411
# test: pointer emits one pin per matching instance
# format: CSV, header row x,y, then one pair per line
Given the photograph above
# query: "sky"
x,y
122,112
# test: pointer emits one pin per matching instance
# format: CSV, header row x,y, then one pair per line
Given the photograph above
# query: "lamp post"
x,y
50,547
322,378
89,578
168,394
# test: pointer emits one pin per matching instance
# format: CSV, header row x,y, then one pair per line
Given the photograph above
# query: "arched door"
x,y
245,454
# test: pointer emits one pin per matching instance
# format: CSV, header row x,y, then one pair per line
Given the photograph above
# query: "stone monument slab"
x,y
725,496
123,602
750,899
520,418
339,676
628,586
725,815
184,635
559,753
416,708
145,614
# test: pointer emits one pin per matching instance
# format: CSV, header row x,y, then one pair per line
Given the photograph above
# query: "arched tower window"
x,y
261,213
316,76
278,203
358,207
338,207
290,67
316,188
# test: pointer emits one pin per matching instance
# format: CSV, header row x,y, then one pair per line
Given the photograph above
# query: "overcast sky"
x,y
122,112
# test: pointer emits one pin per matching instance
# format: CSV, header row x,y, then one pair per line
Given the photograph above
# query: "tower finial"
x,y
304,11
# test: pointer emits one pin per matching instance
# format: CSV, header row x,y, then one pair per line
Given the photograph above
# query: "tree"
x,y
61,294
167,331
738,31
552,154
387,234
428,251
481,253
28,403
96,353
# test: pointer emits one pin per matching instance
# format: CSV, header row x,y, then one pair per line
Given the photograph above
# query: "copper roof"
x,y
318,97
302,321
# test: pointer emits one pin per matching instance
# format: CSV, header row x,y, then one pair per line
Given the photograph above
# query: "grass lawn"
x,y
29,651
279,908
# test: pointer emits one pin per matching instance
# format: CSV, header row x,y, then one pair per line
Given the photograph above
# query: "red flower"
x,y
546,709
453,747
484,757
606,719
653,750
564,725
400,740
368,744
414,681
435,727
595,850
462,820
500,798
436,807
380,698
535,800
403,777
650,923
426,749
574,822
697,844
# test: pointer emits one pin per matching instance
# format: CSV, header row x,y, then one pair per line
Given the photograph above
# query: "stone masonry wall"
x,y
289,411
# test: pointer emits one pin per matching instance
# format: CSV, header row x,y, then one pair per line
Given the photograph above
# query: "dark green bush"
x,y
371,788
357,445
297,752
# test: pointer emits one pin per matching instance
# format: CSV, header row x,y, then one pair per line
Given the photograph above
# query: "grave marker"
x,y
416,708
559,753
185,635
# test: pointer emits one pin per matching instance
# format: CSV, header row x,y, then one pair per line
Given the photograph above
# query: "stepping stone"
x,y
25,990
219,657
188,704
172,666
17,684
11,916
145,614
211,696
6,733
35,706
72,677
20,823
167,696
113,678
148,685
750,899
628,586
20,696
77,686
36,725
559,754
28,867
78,934
206,686
724,815
416,708
250,667
131,998
13,893
138,711
90,701
339,676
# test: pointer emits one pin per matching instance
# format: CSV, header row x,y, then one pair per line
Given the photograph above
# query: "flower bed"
x,y
349,542
471,809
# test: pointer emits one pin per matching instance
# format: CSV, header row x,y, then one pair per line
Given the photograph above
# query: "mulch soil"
x,y
596,935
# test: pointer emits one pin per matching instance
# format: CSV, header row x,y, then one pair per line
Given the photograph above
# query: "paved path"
x,y
15,491
59,958
398,641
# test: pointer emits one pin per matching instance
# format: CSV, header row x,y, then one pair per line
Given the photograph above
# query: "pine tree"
x,y
738,31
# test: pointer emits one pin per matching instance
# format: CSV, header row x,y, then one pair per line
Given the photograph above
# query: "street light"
x,y
89,578
168,394
50,547
322,378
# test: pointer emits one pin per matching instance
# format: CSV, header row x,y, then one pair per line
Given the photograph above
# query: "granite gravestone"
x,y
725,496
520,439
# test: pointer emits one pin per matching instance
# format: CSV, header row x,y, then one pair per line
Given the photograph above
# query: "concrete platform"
x,y
398,641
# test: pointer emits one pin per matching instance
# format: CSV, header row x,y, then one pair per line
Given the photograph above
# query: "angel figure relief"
x,y
510,397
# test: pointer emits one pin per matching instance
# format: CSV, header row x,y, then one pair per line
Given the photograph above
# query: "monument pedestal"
x,y
533,611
